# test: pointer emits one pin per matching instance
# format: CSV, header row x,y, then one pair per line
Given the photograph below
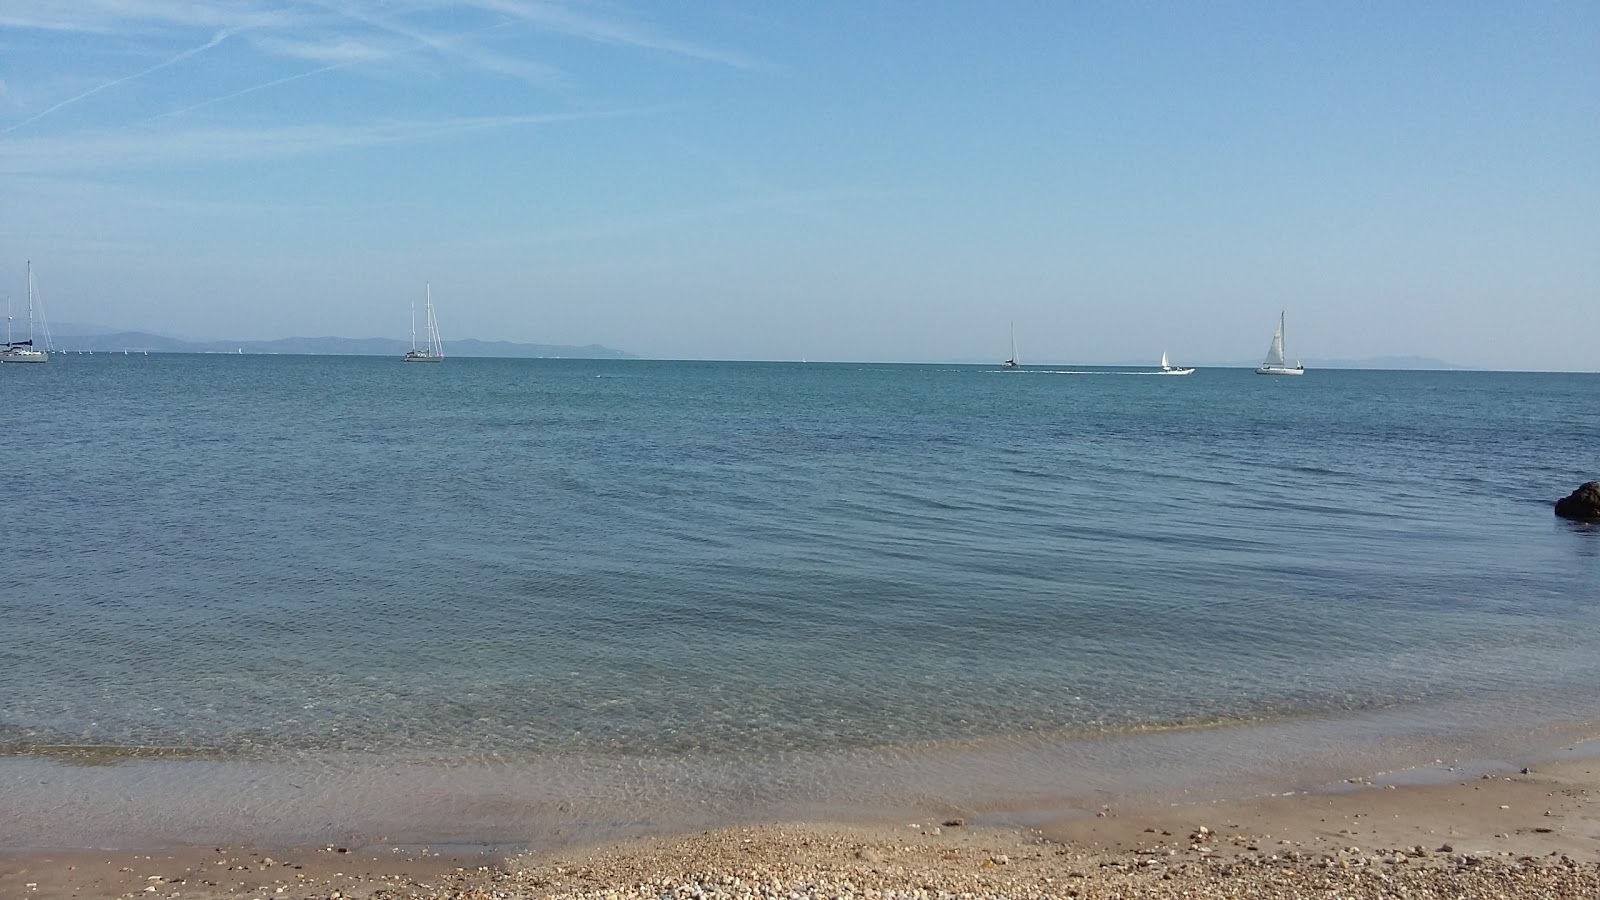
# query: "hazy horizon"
x,y
829,181
79,335
86,329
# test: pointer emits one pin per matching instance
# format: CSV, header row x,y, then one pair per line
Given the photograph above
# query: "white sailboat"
x,y
1169,369
1015,362
25,351
1274,364
434,351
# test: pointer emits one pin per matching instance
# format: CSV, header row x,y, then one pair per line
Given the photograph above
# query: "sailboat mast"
x,y
1284,361
413,324
30,301
435,344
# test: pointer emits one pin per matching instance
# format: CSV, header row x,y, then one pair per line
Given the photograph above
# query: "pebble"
x,y
813,863
1143,878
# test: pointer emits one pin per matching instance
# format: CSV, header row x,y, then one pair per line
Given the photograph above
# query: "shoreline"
x,y
1490,834
125,803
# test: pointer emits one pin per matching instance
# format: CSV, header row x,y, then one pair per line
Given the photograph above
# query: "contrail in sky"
x,y
217,39
252,89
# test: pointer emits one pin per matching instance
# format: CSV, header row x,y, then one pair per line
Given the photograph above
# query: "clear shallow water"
x,y
279,558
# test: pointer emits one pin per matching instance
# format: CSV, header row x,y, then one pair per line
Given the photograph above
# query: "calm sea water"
x,y
284,559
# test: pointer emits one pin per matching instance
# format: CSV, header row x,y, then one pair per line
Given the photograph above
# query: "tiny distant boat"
x,y
25,351
1168,369
1015,362
434,351
1274,364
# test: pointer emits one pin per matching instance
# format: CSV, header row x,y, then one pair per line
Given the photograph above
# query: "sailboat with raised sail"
x,y
1169,369
24,351
1015,362
1274,364
434,351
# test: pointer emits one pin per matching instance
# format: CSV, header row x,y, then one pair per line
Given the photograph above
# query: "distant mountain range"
x,y
70,336
100,340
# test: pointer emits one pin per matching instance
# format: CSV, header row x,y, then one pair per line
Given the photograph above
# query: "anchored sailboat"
x,y
1274,364
434,351
1015,362
25,351
1168,369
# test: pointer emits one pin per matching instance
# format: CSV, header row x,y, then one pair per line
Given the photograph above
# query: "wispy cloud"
x,y
141,149
266,39
216,39
340,53
459,47
265,85
338,34
342,50
561,19
119,16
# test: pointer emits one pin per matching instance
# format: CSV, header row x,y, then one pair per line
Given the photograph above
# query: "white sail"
x,y
1275,352
1167,368
1274,364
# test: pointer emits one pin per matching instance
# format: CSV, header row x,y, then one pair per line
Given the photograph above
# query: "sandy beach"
x,y
1507,833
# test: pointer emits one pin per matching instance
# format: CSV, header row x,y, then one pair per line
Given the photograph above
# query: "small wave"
x,y
109,754
1318,470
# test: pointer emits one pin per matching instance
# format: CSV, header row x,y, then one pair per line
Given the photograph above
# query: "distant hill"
x,y
140,341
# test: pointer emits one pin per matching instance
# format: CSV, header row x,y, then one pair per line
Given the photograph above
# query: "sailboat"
x,y
1274,364
1015,362
1169,369
25,351
434,352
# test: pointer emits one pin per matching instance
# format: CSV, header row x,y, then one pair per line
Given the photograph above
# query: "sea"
x,y
298,599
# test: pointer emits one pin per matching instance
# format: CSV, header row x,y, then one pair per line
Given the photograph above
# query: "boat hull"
x,y
1176,372
1280,370
420,358
25,356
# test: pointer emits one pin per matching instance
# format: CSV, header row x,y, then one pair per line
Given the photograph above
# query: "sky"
x,y
883,180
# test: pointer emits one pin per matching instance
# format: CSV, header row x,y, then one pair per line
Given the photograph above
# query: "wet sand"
x,y
1500,833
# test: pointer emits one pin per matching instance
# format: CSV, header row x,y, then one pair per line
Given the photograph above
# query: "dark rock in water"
x,y
1583,503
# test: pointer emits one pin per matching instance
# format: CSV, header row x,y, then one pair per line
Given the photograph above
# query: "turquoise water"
x,y
272,559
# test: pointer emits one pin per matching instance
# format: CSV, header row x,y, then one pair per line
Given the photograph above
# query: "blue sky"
x,y
830,180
